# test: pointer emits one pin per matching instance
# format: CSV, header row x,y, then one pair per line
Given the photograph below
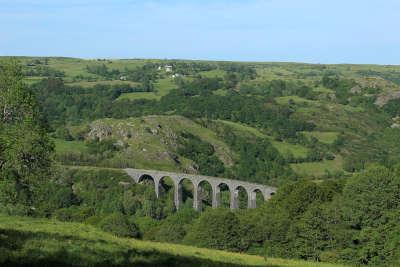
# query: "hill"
x,y
34,242
161,142
325,120
313,134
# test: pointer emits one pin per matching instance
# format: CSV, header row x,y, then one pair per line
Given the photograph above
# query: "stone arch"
x,y
203,194
255,198
239,197
218,185
221,195
184,190
147,178
166,188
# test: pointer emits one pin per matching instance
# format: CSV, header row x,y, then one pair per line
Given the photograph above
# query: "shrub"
x,y
119,225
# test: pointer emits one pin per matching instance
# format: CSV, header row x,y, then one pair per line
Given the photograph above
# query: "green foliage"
x,y
259,160
103,70
40,242
369,195
201,153
175,227
103,147
393,107
328,111
341,86
119,225
217,229
25,149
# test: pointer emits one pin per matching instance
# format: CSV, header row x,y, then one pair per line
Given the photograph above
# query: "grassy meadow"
x,y
41,242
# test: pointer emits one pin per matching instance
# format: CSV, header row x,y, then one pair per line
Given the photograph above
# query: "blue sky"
x,y
317,31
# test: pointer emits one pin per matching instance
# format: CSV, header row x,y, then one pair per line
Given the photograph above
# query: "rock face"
x,y
389,90
356,90
99,131
384,98
396,122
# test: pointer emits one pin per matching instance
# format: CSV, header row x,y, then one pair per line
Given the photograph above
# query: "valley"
x,y
324,137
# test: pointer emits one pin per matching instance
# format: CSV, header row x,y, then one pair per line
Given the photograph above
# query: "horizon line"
x,y
197,59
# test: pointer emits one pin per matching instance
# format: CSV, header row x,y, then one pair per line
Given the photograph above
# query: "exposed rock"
x,y
119,143
191,169
384,98
356,90
99,131
396,122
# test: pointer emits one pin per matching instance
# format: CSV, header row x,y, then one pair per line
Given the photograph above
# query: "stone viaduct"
x,y
215,182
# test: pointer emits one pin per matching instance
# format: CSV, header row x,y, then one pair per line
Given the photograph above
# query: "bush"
x,y
119,225
216,228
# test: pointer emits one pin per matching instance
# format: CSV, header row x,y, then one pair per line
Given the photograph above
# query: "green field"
x,y
285,148
113,82
298,151
162,87
317,169
35,242
63,146
213,73
296,99
324,137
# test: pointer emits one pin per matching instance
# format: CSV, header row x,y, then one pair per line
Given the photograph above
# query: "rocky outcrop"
x,y
386,97
99,131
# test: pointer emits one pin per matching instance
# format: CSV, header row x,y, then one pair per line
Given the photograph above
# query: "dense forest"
x,y
319,135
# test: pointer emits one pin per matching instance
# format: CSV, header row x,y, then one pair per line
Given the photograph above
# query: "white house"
x,y
176,75
168,68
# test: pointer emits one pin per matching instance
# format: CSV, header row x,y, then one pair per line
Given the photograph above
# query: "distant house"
x,y
122,78
168,68
176,75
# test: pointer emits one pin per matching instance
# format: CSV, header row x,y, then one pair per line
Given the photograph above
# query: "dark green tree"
x,y
25,149
217,228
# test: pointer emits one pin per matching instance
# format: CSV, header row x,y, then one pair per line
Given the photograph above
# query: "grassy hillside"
x,y
34,242
148,142
345,103
282,124
151,142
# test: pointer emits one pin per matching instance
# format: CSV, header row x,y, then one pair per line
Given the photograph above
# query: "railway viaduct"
x,y
215,182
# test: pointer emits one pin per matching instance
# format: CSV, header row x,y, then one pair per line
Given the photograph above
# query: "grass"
x,y
152,142
285,148
63,146
221,92
298,151
296,99
42,242
324,137
243,128
318,169
139,95
322,89
213,73
162,88
113,82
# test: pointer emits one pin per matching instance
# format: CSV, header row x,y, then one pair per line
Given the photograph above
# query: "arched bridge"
x,y
215,182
